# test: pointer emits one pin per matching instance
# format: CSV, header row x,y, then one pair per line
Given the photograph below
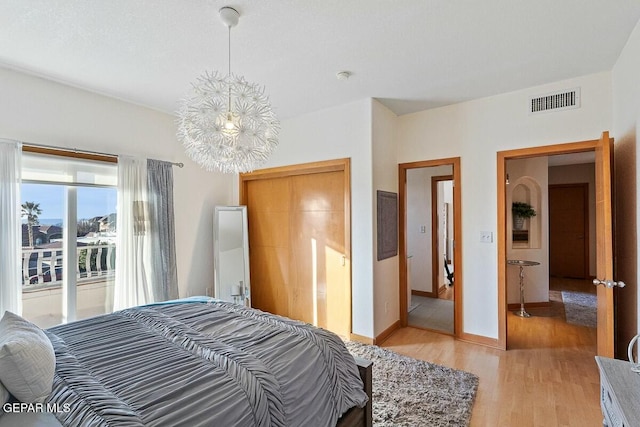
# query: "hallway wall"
x,y
418,216
529,172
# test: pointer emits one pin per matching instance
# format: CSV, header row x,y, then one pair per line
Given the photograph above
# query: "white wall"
x,y
476,131
532,172
43,112
340,132
418,243
626,121
386,306
578,174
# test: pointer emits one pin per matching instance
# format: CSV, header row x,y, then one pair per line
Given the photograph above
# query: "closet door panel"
x,y
317,224
298,245
270,279
269,244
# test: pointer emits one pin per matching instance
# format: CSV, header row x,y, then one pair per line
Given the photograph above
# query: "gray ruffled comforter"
x,y
201,364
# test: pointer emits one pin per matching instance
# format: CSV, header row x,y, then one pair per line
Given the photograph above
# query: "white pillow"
x,y
27,360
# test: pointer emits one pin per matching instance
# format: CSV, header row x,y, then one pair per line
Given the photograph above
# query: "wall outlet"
x,y
486,237
423,229
386,306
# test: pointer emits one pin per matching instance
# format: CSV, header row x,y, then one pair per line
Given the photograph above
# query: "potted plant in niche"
x,y
520,212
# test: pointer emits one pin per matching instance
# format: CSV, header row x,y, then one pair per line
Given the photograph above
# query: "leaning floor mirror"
x,y
231,255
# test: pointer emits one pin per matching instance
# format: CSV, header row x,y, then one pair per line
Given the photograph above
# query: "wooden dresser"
x,y
619,393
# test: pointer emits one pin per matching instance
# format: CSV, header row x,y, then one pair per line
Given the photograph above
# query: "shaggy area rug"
x,y
410,392
580,308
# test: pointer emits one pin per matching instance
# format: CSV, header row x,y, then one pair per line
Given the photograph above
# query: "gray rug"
x,y
410,392
580,308
432,313
412,307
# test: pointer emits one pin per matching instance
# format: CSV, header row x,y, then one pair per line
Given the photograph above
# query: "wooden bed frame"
x,y
360,417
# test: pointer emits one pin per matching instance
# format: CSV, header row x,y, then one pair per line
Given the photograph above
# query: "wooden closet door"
x,y
297,248
319,288
268,204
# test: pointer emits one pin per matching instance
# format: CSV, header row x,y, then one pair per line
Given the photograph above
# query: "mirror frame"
x,y
216,251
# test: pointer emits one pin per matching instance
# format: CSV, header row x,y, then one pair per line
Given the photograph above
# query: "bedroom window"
x,y
68,237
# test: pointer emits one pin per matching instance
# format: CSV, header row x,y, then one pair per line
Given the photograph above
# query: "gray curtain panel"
x,y
162,226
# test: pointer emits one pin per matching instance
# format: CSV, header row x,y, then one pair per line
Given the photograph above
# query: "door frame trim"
x,y
502,157
336,165
457,237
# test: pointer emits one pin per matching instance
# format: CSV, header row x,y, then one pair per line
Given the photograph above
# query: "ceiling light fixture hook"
x,y
229,16
343,75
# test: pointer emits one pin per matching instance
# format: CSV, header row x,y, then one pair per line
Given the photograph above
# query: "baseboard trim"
x,y
470,338
361,338
422,293
387,332
480,340
516,306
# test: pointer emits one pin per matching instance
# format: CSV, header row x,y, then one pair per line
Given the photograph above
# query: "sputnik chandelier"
x,y
226,123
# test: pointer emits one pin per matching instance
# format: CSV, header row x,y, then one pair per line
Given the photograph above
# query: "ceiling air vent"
x,y
565,100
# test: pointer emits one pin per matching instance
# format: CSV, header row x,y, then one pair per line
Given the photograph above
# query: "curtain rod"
x,y
77,151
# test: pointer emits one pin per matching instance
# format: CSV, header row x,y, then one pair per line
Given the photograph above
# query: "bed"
x,y
200,362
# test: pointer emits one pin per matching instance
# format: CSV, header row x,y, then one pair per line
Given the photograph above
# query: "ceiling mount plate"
x,y
229,16
343,75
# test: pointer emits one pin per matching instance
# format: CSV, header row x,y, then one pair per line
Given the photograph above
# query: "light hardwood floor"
x,y
548,377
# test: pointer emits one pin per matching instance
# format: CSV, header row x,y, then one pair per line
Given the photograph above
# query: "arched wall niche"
x,y
526,189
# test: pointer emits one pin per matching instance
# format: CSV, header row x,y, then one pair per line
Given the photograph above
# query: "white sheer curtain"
x,y
10,228
133,284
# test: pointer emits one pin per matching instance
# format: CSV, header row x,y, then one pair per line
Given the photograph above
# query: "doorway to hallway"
x,y
430,254
431,301
603,219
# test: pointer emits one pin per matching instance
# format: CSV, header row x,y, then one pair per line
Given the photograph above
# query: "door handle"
x,y
609,283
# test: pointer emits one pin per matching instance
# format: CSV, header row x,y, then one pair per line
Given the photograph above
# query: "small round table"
x,y
522,264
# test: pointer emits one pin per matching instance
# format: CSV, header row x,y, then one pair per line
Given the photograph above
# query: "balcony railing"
x,y
42,268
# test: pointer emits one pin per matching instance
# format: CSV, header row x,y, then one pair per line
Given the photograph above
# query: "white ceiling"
x,y
410,54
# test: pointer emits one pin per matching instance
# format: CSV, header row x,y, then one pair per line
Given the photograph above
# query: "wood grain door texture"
x,y
569,230
604,246
297,236
268,211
